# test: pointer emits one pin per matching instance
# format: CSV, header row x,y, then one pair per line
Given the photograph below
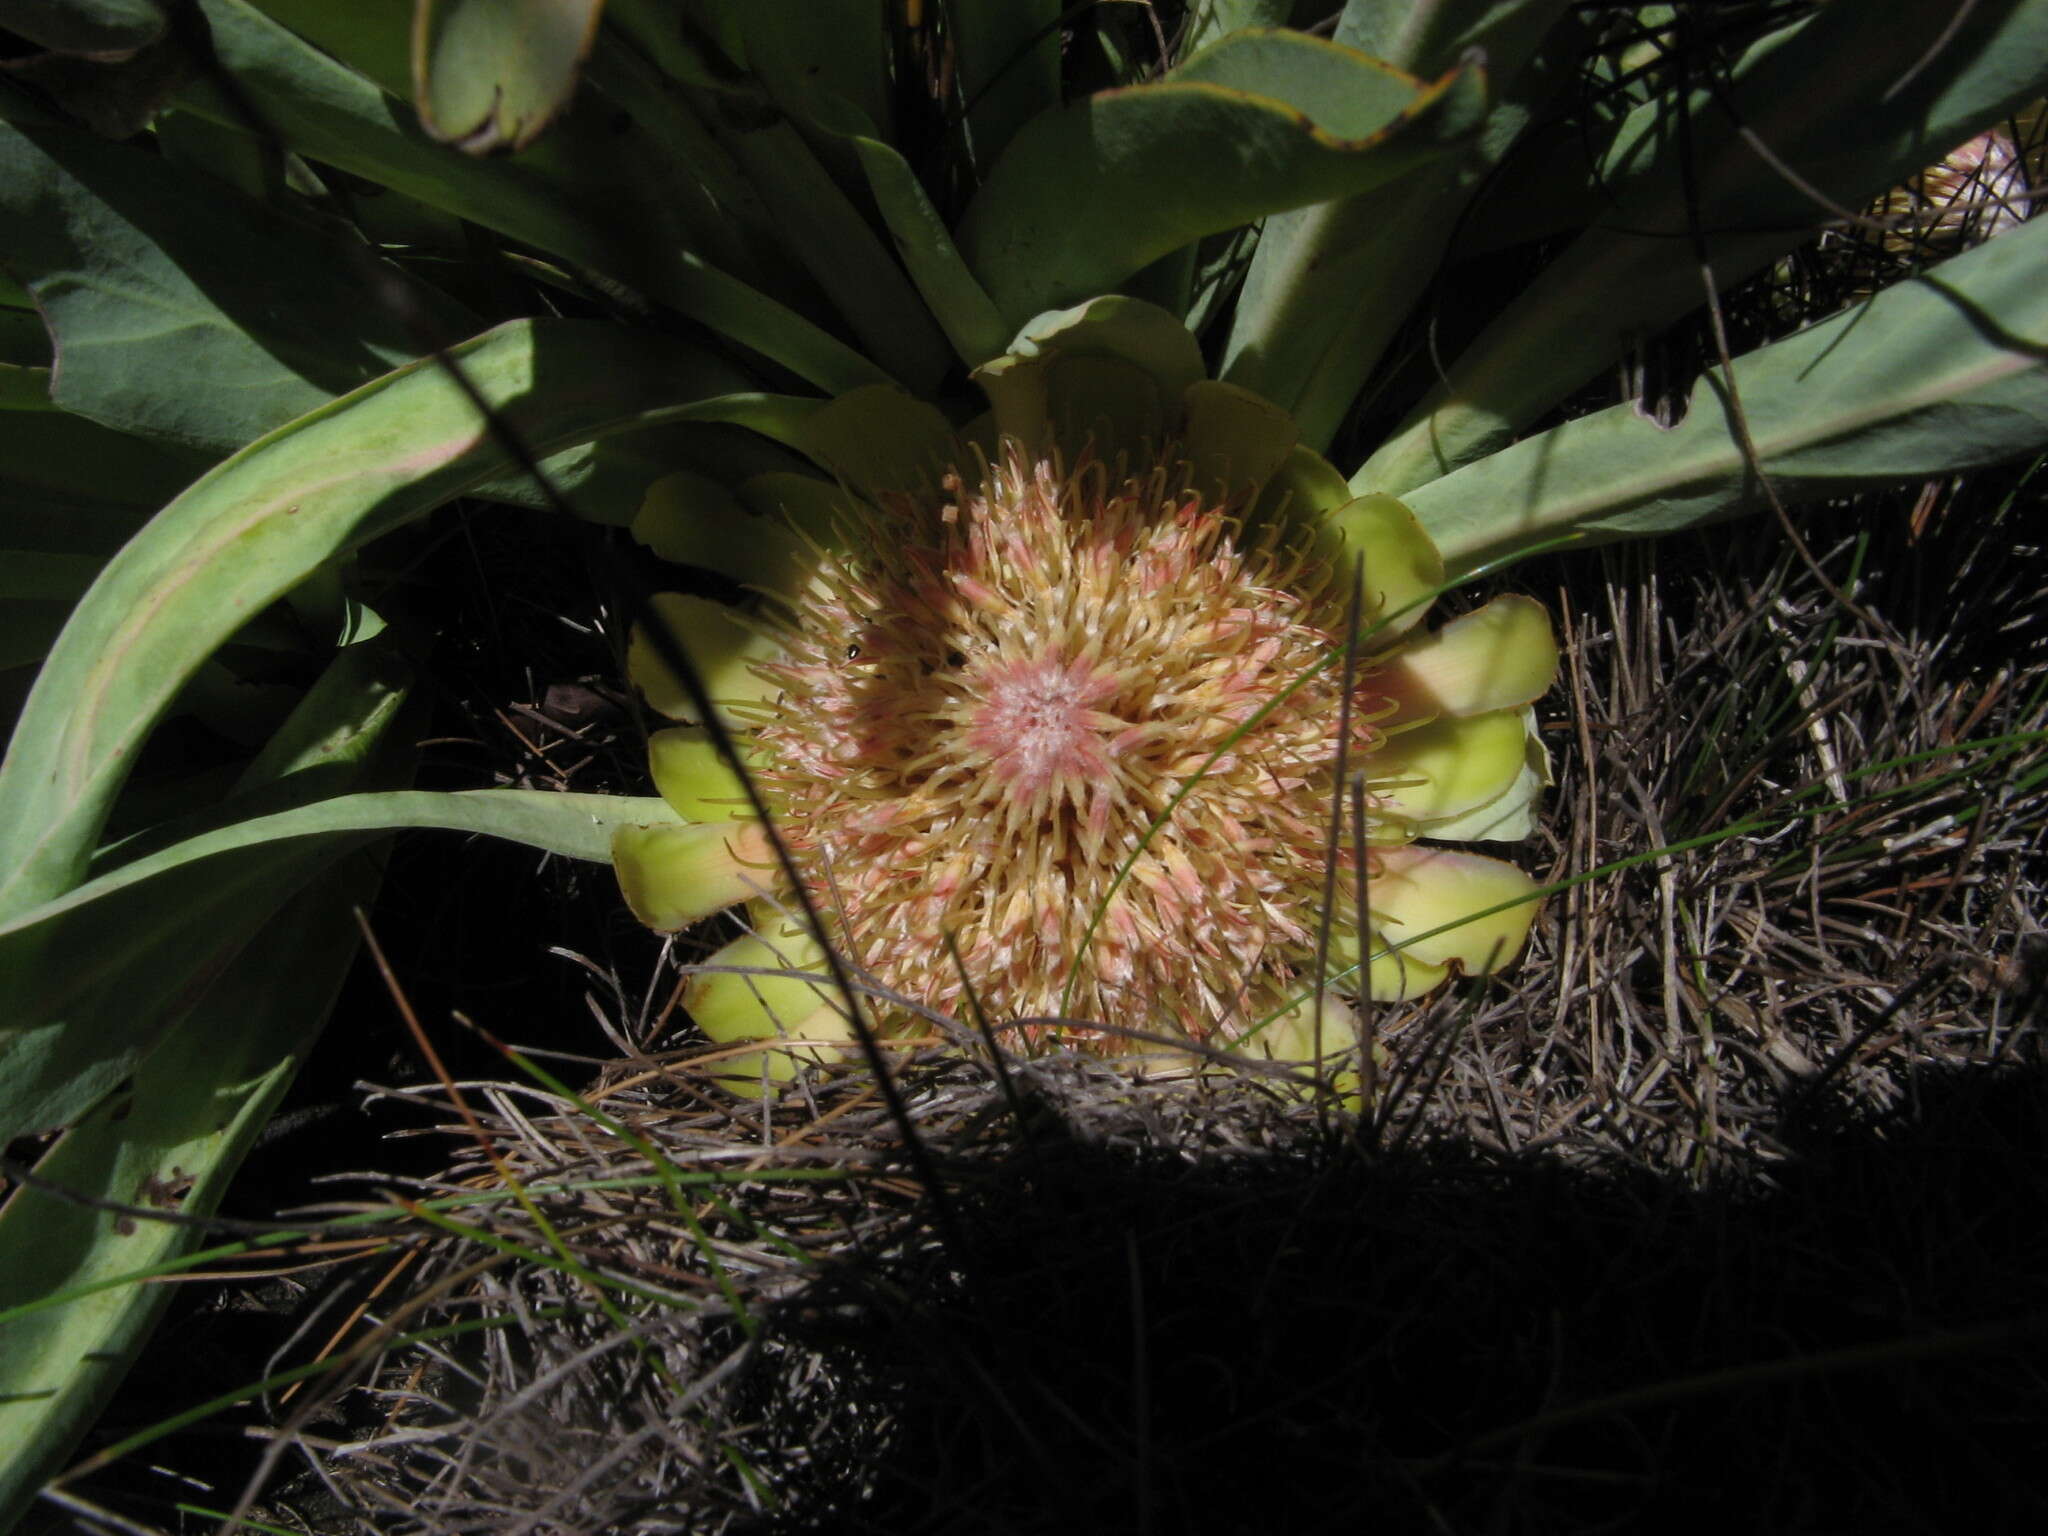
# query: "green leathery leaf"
x,y
115,94
1854,101
1347,94
1028,392
607,481
330,113
372,37
1097,400
24,389
843,255
724,645
196,1107
832,48
85,993
1235,440
588,163
24,339
810,238
1007,57
879,439
673,82
246,164
196,1101
163,924
1116,326
956,300
1304,490
1945,372
618,169
1090,192
489,75
74,485
575,826
85,26
1424,35
37,589
683,517
1328,286
260,523
699,181
1568,171
1219,18
143,298
690,519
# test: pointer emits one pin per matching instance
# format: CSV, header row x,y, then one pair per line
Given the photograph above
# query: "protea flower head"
x,y
1052,713
1977,190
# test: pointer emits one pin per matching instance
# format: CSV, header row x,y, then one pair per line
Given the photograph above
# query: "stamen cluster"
x,y
1005,695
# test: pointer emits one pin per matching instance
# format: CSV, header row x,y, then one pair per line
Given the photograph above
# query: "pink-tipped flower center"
x,y
1041,724
1079,728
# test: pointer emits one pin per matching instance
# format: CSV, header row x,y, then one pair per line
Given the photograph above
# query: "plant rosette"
x,y
1055,714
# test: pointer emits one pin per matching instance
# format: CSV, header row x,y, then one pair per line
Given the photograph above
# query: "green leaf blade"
x,y
1821,103
1091,192
266,519
141,296
1943,373
490,76
165,925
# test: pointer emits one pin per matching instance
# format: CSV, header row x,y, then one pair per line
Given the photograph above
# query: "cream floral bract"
x,y
1050,714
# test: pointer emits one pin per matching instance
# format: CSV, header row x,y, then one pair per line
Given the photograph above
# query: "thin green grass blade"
x,y
666,1169
327,1365
286,1238
1946,372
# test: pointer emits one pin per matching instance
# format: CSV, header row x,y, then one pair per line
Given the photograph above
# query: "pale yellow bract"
x,y
1054,726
